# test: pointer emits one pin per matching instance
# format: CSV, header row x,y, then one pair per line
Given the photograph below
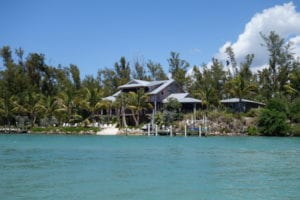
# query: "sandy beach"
x,y
109,130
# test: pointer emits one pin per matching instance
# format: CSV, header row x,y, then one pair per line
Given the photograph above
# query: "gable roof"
x,y
165,84
160,85
135,83
182,98
109,98
237,100
140,83
112,97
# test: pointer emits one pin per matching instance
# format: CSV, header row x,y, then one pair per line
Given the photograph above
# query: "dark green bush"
x,y
252,130
273,123
254,112
295,111
295,130
278,105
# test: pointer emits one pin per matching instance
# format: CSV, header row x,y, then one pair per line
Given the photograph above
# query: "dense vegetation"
x,y
34,93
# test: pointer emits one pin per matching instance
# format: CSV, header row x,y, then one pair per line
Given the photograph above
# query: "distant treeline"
x,y
32,90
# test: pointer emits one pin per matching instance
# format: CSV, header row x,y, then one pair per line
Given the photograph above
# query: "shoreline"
x,y
138,134
113,131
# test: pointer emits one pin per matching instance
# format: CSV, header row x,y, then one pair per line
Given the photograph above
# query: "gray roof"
x,y
112,97
117,94
161,85
236,100
182,98
189,100
140,83
109,98
165,84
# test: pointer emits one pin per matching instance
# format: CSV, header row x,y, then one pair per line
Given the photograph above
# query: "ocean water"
x,y
116,167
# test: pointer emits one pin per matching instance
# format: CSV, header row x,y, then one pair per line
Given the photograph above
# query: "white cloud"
x,y
296,45
283,19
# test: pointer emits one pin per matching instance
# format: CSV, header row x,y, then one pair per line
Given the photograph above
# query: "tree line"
x,y
33,91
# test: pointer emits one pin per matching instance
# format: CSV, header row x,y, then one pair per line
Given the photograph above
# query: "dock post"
x,y
148,126
185,130
200,131
156,129
171,132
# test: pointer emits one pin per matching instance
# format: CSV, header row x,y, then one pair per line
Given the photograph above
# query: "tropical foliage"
x,y
273,122
273,119
45,95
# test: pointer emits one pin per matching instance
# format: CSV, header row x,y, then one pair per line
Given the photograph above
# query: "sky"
x,y
94,34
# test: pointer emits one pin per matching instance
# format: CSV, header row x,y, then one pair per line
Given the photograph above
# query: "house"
x,y
159,93
241,105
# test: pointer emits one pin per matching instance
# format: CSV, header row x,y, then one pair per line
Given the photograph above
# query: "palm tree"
x,y
238,87
2,108
31,104
265,84
90,100
137,102
6,109
207,87
292,88
105,105
51,108
121,105
66,107
178,68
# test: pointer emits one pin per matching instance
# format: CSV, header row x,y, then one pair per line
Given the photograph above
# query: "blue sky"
x,y
95,34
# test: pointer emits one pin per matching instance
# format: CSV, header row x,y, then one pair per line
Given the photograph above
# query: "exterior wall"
x,y
242,106
151,88
171,89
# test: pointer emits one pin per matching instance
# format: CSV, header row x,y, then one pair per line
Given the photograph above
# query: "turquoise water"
x,y
98,167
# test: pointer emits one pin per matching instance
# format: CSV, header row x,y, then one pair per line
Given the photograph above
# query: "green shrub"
x,y
159,118
273,123
254,112
295,111
296,130
252,130
172,105
277,105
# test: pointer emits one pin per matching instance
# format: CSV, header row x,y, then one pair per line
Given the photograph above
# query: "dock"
x,y
170,131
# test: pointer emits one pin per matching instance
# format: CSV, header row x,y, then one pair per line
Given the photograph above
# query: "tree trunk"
x,y
138,119
117,110
33,121
135,118
110,113
123,117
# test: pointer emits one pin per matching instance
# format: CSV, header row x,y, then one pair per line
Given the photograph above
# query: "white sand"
x,y
108,131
